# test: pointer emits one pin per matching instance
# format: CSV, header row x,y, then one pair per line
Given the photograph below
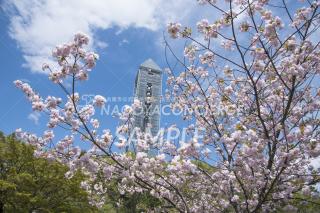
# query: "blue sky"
x,y
124,33
30,29
113,76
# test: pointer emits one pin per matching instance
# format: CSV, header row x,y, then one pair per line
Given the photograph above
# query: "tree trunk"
x,y
1,207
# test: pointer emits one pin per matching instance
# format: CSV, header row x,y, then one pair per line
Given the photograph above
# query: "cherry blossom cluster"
x,y
73,60
259,111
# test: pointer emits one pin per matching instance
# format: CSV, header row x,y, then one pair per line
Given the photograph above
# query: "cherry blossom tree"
x,y
248,80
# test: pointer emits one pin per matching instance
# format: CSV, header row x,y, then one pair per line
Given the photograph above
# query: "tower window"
x,y
150,72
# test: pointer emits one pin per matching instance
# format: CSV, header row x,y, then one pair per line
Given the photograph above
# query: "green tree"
x,y
129,203
29,184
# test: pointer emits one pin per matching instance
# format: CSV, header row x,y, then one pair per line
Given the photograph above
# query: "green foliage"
x,y
303,203
30,184
127,203
131,203
307,204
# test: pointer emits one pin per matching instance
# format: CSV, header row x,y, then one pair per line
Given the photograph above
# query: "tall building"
x,y
148,90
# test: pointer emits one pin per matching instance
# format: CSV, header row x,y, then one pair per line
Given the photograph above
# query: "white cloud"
x,y
101,44
39,25
123,41
34,117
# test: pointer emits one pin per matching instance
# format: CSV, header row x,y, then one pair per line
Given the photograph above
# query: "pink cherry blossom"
x,y
99,100
256,107
174,29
